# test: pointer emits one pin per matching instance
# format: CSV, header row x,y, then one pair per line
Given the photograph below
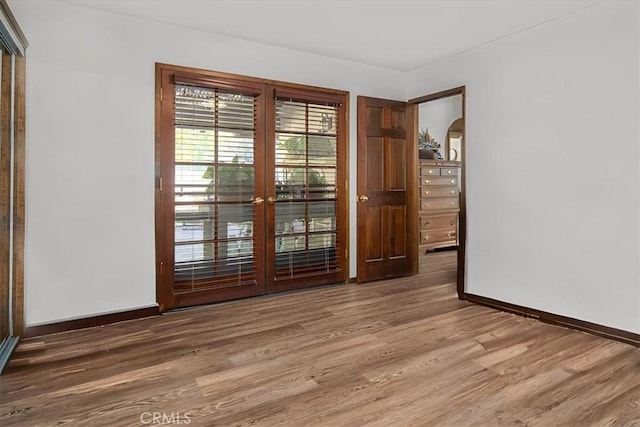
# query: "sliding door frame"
x,y
12,182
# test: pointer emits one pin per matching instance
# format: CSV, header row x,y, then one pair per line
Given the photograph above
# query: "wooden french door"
x,y
306,210
386,206
247,193
210,218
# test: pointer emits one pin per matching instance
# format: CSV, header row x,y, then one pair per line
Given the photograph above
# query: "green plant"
x,y
297,146
296,176
426,141
231,177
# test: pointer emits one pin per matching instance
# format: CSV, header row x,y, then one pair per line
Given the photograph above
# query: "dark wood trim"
x,y
19,142
345,200
264,90
413,191
89,322
5,193
160,257
556,319
462,215
229,76
6,10
438,95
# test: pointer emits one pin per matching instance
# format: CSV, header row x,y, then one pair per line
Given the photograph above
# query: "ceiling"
x,y
398,35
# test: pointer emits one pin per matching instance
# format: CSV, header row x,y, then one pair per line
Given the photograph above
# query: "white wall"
x,y
437,115
556,229
552,140
90,153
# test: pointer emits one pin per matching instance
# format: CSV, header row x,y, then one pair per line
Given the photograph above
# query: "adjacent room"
x,y
316,212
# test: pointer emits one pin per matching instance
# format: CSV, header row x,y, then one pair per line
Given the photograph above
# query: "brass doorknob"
x,y
363,198
271,200
257,201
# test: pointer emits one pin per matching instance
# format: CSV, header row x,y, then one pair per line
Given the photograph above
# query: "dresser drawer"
x,y
439,180
427,171
449,171
438,192
438,236
449,222
439,203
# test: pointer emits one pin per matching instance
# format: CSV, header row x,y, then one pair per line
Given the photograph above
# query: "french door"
x,y
247,199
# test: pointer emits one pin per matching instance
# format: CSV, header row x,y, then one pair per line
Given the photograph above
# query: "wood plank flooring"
x,y
391,353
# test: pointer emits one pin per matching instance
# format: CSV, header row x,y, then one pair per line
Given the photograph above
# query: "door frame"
x,y
164,293
462,231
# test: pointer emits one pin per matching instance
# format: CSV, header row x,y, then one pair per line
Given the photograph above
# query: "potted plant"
x,y
428,147
296,181
235,181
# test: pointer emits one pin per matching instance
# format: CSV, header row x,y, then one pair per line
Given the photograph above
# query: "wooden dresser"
x,y
439,203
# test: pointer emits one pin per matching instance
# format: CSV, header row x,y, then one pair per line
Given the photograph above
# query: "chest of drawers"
x,y
439,203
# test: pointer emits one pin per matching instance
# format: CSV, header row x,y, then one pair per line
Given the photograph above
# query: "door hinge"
x,y
346,254
160,184
161,268
346,185
161,97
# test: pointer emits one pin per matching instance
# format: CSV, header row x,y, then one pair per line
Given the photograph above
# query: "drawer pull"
x,y
426,237
452,191
448,172
453,181
426,193
430,172
426,181
427,222
451,204
450,222
451,234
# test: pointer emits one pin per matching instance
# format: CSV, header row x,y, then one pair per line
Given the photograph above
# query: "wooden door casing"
x,y
218,287
386,196
174,288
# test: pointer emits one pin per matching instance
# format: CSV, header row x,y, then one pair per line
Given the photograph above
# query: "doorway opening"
x,y
440,130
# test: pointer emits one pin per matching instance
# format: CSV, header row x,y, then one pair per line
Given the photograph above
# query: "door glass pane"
x,y
194,222
193,183
305,187
214,186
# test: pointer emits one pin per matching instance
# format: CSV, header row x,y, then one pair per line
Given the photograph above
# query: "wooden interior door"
x,y
386,206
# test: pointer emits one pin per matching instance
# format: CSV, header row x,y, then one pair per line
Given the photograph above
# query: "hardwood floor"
x,y
391,353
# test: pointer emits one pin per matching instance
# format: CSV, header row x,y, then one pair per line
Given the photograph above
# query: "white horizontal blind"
x,y
214,186
306,159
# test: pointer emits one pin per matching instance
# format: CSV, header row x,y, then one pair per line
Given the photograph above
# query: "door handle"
x,y
363,198
271,200
257,201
